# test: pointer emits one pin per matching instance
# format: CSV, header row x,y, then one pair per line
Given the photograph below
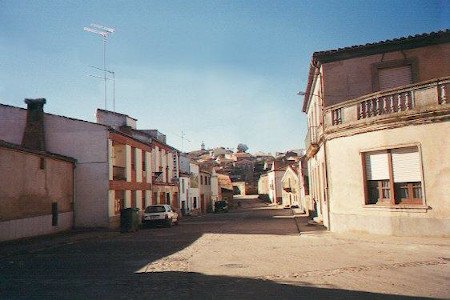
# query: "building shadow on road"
x,y
180,285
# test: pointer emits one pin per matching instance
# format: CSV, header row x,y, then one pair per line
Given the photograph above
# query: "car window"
x,y
155,209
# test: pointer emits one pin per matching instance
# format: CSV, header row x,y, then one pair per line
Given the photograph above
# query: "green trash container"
x,y
129,219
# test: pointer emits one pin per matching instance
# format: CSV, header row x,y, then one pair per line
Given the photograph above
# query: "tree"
x,y
242,148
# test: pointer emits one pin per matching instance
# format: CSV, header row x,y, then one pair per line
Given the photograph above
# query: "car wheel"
x,y
169,223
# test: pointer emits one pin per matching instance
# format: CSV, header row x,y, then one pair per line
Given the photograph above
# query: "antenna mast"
x,y
104,32
182,140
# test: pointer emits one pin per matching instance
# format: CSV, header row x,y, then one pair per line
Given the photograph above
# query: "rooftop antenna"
x,y
114,83
104,32
182,140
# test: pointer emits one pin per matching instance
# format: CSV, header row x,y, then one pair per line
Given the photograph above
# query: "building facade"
x,y
205,191
36,194
375,139
291,188
194,190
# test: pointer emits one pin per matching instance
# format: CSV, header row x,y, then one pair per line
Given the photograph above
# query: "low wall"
x,y
391,225
28,227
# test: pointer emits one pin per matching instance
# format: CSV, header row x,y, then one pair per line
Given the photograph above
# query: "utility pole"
x,y
104,32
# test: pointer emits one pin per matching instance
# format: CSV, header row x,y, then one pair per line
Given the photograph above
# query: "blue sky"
x,y
224,72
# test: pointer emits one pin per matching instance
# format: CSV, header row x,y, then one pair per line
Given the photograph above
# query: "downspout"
x,y
73,195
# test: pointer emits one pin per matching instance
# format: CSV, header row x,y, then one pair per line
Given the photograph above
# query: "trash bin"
x,y
129,219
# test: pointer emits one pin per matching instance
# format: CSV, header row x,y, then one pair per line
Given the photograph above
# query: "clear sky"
x,y
224,72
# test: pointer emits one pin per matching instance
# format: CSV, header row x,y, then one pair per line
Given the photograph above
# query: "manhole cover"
x,y
235,266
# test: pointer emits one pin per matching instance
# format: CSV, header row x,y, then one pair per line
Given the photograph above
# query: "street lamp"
x,y
104,32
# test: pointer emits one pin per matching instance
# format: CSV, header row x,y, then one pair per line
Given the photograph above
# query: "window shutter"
x,y
377,167
406,165
394,77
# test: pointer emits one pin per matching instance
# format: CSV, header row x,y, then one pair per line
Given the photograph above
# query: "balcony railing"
x,y
387,104
119,173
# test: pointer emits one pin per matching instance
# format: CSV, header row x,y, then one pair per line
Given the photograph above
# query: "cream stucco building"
x,y
378,136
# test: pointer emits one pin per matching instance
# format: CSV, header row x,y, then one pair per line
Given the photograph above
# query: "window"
x,y
393,77
391,74
143,161
337,116
119,201
42,163
143,200
182,185
195,202
133,199
393,177
133,158
155,198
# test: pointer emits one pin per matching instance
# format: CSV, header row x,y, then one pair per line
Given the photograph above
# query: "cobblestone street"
x,y
252,252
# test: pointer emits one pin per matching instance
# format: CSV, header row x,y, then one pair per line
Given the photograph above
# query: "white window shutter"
x,y
377,167
394,77
406,165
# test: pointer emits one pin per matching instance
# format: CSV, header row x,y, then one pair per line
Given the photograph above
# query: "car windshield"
x,y
155,209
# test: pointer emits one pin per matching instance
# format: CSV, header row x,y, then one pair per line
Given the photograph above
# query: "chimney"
x,y
34,135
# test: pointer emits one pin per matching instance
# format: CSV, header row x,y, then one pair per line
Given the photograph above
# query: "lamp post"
x,y
104,32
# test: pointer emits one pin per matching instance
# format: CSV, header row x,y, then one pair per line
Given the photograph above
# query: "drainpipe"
x,y
73,195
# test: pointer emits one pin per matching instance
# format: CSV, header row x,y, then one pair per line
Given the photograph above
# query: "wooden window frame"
x,y
393,200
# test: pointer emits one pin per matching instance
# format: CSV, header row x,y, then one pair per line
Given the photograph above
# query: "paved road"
x,y
252,252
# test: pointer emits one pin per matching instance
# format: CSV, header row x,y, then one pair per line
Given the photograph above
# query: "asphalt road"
x,y
254,252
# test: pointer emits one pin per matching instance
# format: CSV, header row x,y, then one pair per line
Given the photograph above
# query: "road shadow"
x,y
178,285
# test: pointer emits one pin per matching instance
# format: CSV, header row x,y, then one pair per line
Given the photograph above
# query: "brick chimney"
x,y
34,134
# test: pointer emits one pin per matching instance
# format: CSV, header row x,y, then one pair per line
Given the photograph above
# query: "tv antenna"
x,y
183,137
104,32
114,83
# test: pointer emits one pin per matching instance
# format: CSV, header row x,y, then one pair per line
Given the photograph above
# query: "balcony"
x,y
119,173
158,177
312,141
405,103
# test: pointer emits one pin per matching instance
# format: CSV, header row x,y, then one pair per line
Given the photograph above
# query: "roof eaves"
x,y
403,43
12,146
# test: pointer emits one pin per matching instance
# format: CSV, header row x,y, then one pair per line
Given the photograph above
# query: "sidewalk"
x,y
301,219
39,243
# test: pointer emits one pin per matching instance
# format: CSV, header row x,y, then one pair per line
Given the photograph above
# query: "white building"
x,y
194,190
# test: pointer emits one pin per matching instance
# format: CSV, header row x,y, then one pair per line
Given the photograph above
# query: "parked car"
x,y
162,214
221,206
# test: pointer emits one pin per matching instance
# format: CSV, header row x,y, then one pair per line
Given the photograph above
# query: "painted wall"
x,y
184,184
351,78
84,141
292,197
28,191
263,185
348,212
275,188
317,183
88,143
